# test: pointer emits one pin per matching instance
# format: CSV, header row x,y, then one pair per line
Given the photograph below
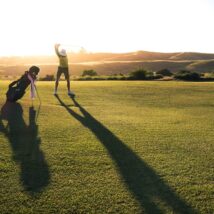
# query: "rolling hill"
x,y
110,63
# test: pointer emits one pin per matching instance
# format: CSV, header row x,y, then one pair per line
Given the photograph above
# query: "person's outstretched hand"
x,y
57,45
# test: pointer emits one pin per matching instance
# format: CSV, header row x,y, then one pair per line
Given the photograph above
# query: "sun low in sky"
x,y
32,27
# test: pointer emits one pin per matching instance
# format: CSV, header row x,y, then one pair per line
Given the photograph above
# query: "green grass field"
x,y
119,147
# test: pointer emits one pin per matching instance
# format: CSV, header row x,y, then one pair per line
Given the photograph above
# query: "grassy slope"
x,y
110,63
109,68
13,72
122,147
202,66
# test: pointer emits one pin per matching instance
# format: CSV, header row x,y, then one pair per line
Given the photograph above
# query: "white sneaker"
x,y
55,92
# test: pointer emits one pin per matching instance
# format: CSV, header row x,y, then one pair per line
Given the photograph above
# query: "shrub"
x,y
112,78
87,78
187,75
122,77
158,76
152,77
89,73
99,78
139,74
48,77
165,72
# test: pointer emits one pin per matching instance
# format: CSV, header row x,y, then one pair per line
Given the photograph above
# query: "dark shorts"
x,y
64,71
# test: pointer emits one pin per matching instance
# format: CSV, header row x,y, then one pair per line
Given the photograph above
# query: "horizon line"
x,y
107,52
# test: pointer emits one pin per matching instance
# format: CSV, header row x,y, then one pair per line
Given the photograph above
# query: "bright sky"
x,y
32,27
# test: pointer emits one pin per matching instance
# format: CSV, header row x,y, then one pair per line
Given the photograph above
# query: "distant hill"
x,y
111,63
192,56
202,66
140,56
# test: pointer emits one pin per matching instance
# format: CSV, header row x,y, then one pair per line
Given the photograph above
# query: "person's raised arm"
x,y
57,49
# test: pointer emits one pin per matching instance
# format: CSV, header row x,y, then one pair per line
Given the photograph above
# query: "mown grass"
x,y
119,147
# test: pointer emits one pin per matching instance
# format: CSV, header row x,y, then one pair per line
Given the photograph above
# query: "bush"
x,y
165,72
48,77
122,78
187,75
89,73
208,75
99,78
112,78
85,78
139,74
152,77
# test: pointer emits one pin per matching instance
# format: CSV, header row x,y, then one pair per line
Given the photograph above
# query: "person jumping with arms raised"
x,y
62,68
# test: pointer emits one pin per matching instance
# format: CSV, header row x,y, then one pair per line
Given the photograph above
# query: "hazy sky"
x,y
34,26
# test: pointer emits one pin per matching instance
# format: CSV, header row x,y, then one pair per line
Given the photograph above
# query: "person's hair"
x,y
34,70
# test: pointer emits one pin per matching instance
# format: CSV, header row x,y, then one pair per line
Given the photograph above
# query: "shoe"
x,y
70,93
55,93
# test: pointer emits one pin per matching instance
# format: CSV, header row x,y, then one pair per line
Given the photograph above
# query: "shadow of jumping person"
x,y
25,144
147,187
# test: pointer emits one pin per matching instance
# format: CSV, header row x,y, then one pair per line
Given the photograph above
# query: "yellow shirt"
x,y
63,61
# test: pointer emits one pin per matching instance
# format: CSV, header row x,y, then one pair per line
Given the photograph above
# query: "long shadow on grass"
x,y
25,144
142,181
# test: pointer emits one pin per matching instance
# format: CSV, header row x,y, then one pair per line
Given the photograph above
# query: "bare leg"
x,y
57,81
70,93
56,84
67,77
68,84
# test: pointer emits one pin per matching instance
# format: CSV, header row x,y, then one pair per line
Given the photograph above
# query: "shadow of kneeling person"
x,y
147,187
25,144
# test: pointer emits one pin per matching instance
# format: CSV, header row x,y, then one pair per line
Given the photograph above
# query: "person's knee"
x,y
57,80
